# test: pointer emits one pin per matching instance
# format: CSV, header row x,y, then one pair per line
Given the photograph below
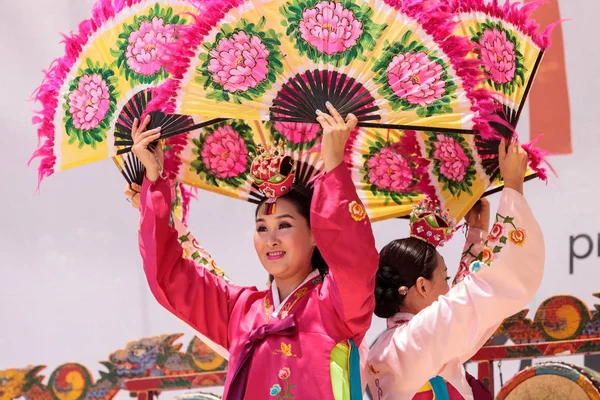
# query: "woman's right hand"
x,y
479,215
152,161
513,161
336,132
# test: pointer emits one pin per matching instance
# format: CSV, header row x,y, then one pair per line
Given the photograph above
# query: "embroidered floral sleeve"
x,y
503,232
344,237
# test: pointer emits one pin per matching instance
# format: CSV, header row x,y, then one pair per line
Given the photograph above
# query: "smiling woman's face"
x,y
283,241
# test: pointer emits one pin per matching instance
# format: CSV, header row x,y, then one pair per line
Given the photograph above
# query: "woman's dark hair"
x,y
301,197
401,263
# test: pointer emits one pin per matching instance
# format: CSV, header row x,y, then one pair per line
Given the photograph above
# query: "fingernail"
x,y
328,104
318,111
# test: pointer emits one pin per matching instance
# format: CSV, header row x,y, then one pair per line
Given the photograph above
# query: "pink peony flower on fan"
x,y
297,132
330,28
144,52
498,55
239,62
89,103
390,170
416,78
453,160
225,153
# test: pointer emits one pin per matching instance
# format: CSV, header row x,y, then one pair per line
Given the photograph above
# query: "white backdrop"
x,y
71,282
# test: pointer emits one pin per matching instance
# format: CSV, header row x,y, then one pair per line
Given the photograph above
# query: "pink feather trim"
x,y
48,92
515,13
187,194
537,157
172,157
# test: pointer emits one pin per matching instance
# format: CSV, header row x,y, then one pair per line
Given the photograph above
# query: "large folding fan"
x,y
280,61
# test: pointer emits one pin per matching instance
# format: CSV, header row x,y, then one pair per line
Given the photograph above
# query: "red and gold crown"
x,y
273,171
428,222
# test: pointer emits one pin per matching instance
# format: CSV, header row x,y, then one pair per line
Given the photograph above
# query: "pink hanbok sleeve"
x,y
473,248
459,323
201,299
344,237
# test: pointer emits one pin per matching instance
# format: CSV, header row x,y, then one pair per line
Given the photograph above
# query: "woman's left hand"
x,y
133,194
336,132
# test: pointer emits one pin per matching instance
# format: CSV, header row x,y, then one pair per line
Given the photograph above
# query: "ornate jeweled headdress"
x,y
273,172
428,222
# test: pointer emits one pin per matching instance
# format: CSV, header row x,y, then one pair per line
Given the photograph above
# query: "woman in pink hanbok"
x,y
431,329
298,339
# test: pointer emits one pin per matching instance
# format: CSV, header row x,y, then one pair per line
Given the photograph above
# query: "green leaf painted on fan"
x,y
394,196
168,13
405,37
261,23
446,109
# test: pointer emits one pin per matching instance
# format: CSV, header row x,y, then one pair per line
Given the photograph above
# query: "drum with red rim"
x,y
552,381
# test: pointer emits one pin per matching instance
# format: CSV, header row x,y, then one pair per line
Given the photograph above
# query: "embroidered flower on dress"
x,y
487,255
496,232
497,238
357,211
517,237
475,266
275,390
284,373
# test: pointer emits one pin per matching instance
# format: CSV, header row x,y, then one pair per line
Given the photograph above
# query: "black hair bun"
x,y
387,298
